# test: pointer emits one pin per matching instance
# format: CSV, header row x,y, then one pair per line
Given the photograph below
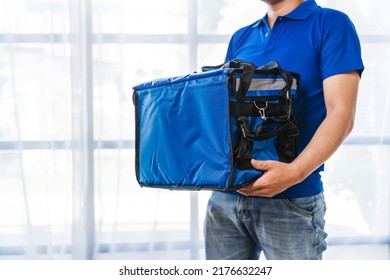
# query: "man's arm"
x,y
340,93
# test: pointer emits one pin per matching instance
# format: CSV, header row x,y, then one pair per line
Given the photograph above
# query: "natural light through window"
x,y
67,179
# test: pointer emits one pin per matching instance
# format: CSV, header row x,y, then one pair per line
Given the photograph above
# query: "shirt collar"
x,y
302,12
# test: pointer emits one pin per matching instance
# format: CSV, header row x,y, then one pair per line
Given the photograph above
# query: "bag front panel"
x,y
264,90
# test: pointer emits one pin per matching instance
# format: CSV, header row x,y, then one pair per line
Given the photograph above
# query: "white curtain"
x,y
67,184
46,190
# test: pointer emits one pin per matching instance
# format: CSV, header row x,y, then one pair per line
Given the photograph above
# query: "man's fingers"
x,y
259,164
244,192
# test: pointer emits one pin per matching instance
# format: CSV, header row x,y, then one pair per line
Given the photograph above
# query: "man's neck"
x,y
280,8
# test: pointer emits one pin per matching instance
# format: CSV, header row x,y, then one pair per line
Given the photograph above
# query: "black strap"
x,y
246,69
283,128
245,80
286,143
275,67
243,152
249,109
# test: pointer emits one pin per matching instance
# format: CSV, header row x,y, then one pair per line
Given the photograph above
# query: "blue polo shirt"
x,y
315,42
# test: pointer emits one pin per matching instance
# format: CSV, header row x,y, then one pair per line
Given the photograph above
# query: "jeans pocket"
x,y
303,205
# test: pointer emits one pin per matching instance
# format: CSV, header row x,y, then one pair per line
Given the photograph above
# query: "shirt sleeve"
x,y
229,53
340,51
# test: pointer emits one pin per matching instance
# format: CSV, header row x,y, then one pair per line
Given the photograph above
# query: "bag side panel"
x,y
184,137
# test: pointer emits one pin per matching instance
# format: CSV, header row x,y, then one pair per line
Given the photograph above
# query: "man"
x,y
282,213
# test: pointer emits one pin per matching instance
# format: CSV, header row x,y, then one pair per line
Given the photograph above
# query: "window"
x,y
67,185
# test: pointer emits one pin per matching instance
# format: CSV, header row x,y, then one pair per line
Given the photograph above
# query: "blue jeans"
x,y
240,228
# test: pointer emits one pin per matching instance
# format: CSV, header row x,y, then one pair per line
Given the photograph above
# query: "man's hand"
x,y
277,177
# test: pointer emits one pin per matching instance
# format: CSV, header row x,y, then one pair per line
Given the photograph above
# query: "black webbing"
x,y
249,109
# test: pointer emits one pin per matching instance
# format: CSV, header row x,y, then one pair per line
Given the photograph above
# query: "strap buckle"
x,y
261,110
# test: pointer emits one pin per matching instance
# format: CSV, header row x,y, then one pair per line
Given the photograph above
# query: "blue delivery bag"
x,y
200,131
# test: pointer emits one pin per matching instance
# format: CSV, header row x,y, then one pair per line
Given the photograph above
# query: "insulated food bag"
x,y
200,131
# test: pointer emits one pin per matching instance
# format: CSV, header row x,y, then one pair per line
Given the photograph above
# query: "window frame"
x,y
86,230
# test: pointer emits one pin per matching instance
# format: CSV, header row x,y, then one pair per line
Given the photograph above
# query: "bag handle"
x,y
274,67
247,68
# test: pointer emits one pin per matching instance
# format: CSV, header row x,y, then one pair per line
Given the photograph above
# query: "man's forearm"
x,y
340,99
329,136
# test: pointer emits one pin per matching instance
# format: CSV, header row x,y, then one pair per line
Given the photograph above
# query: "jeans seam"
x,y
290,205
